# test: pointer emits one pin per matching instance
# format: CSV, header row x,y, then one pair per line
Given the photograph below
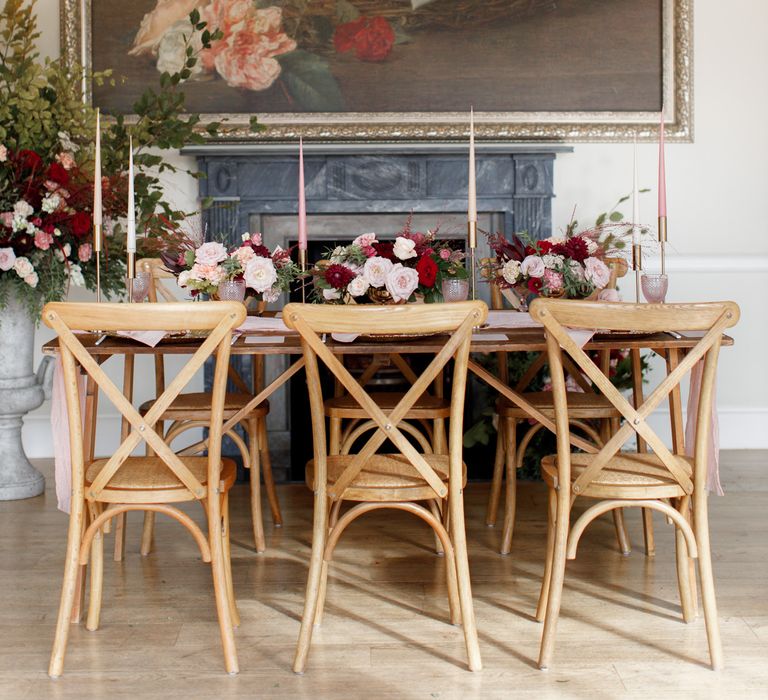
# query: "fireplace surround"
x,y
356,188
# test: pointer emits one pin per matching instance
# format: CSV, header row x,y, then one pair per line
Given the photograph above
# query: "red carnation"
x,y
58,173
530,250
576,248
427,269
544,247
558,249
385,250
535,284
29,159
80,223
338,276
371,38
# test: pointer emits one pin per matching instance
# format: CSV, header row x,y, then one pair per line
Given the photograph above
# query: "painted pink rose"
x,y
7,259
66,160
532,266
210,253
553,280
6,218
596,272
156,23
3,153
402,282
84,252
43,240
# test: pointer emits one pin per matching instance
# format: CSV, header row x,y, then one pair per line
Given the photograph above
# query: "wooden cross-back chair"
x,y
190,410
105,488
625,479
591,414
398,480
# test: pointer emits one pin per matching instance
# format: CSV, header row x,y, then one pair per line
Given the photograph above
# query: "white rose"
x,y
23,267
7,259
552,262
51,203
31,279
67,249
260,274
210,253
338,254
533,266
76,275
402,282
511,271
376,270
358,286
23,208
171,52
331,294
183,278
404,248
597,272
246,237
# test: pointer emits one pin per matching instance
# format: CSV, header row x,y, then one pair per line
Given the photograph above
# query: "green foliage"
x,y
310,81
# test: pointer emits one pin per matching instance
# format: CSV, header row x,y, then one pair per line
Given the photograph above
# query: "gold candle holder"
x,y
637,266
303,268
131,274
472,242
662,242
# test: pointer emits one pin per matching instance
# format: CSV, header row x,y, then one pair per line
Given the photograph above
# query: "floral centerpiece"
x,y
569,266
368,270
202,269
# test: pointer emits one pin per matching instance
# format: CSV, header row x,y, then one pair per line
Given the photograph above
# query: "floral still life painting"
x,y
387,56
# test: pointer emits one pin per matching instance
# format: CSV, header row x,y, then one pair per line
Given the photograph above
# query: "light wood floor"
x,y
385,634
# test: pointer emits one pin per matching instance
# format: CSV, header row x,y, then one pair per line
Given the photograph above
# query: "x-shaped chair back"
x,y
454,320
710,319
217,317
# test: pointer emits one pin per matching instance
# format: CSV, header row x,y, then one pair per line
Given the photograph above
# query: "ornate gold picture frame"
x,y
535,70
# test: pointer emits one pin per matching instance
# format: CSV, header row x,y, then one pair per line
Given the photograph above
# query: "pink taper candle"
x,y
662,172
302,200
97,215
472,187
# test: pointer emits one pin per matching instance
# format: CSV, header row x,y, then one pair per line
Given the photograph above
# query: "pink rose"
x,y
608,295
156,23
257,239
596,272
365,240
207,273
445,254
43,240
210,253
401,282
244,254
554,280
84,252
376,270
532,266
7,259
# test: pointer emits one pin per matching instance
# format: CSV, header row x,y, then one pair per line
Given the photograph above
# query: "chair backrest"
x,y
452,323
217,317
707,319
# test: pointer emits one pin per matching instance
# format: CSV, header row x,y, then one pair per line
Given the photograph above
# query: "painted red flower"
x,y
80,223
58,174
385,249
372,38
338,276
427,269
29,159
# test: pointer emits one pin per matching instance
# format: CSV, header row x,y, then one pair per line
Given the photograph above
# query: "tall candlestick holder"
x,y
663,242
637,266
97,250
131,274
303,267
472,241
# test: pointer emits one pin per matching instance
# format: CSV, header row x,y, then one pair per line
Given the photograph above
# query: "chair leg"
x,y
621,532
510,504
120,536
220,588
648,536
233,611
682,561
459,540
321,595
435,510
69,589
701,527
147,533
266,470
97,581
547,578
557,576
319,537
498,474
255,457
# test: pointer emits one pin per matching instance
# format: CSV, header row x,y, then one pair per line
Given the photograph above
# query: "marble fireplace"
x,y
356,188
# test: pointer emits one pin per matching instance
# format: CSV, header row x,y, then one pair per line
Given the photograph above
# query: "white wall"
x,y
716,189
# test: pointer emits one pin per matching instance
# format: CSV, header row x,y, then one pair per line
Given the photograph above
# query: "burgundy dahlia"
x,y
384,249
576,248
338,276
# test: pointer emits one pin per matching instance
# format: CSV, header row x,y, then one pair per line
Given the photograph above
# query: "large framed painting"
x,y
554,70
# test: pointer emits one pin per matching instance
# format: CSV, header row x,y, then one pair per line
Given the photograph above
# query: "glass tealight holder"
x,y
140,286
232,290
455,289
654,288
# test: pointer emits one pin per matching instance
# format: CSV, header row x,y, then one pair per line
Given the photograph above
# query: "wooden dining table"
x,y
671,346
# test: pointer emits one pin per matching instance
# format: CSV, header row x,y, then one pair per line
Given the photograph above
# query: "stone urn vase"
x,y
21,390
